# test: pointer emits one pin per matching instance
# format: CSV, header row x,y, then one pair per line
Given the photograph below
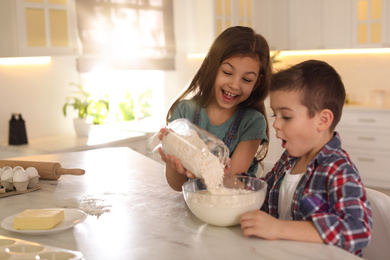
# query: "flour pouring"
x,y
200,152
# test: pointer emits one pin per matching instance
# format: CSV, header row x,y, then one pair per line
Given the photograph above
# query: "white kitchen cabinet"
x,y
336,24
232,13
8,39
320,24
323,24
38,28
305,24
365,135
272,21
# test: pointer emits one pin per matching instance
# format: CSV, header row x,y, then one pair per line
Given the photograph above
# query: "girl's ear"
x,y
325,119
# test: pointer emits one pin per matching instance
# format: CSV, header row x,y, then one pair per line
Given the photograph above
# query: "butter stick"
x,y
38,219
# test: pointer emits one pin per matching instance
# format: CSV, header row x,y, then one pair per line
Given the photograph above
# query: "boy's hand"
x,y
260,224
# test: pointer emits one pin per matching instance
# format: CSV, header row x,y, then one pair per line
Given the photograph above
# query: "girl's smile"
x,y
229,97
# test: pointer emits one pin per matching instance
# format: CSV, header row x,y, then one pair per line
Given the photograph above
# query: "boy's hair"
x,y
234,41
319,84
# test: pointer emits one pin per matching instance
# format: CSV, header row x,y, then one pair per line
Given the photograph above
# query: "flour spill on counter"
x,y
94,206
91,205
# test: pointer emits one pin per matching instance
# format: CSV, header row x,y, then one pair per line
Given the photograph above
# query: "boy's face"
x,y
293,125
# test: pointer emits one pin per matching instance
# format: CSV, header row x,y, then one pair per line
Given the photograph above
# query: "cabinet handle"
x,y
366,138
365,159
367,120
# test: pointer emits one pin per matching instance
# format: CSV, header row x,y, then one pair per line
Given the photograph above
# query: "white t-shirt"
x,y
287,189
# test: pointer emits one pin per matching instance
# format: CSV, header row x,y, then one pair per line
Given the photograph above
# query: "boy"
x,y
314,191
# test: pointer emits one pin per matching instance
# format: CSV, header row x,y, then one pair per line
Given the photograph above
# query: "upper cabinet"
x,y
38,28
324,24
371,27
233,12
319,24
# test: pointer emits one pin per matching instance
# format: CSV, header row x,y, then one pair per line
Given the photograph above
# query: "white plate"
x,y
72,218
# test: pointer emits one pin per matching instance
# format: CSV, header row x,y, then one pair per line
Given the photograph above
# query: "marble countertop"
x,y
133,214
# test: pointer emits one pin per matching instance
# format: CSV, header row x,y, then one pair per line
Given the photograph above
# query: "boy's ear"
x,y
325,119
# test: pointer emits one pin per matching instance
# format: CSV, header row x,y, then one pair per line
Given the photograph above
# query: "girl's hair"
x,y
234,41
319,85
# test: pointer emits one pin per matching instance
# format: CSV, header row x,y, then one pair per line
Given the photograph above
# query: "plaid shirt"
x,y
330,194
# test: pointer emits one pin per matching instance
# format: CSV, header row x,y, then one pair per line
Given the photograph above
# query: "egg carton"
x,y
5,193
15,249
11,186
20,185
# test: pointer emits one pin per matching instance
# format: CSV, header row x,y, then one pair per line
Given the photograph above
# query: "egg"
x,y
4,168
20,175
31,172
7,175
17,168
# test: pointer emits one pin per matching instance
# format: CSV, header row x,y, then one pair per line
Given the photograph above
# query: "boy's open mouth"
x,y
284,143
228,96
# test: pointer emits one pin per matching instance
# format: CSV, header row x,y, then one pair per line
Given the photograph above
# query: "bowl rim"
x,y
263,184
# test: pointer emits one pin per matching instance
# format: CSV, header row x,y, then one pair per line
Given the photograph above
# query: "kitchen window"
x,y
126,47
135,97
126,34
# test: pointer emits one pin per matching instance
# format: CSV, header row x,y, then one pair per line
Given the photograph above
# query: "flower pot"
x,y
82,126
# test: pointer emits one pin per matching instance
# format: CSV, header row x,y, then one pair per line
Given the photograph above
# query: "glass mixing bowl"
x,y
244,194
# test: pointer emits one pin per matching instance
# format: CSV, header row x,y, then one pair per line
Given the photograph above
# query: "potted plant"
x,y
90,110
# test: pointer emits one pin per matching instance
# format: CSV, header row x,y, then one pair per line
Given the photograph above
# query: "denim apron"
x,y
232,133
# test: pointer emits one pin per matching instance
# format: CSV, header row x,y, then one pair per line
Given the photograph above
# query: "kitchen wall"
x,y
38,92
362,74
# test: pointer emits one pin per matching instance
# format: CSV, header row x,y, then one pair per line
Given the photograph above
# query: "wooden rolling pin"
x,y
47,170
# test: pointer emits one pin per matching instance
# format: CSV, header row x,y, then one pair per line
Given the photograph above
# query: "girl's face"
x,y
235,81
293,125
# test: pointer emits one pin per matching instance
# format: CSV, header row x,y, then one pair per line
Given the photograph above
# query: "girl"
x,y
227,100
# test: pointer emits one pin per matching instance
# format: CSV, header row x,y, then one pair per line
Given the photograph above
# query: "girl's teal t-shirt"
x,y
252,127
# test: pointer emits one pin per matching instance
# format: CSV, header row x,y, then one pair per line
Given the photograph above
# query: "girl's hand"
x,y
228,168
161,133
175,164
260,224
